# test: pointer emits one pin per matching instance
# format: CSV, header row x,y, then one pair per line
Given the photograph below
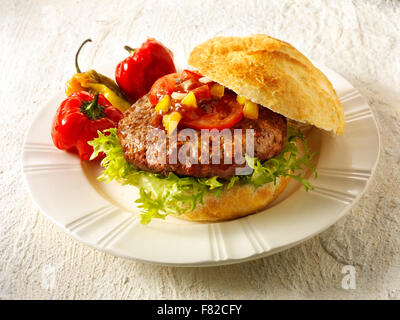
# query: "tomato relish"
x,y
194,101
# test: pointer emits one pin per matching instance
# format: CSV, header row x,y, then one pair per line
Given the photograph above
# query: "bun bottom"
x,y
237,202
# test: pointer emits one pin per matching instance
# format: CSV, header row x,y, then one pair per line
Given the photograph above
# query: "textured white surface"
x,y
359,39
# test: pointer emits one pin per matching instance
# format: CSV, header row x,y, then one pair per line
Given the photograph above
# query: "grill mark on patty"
x,y
144,150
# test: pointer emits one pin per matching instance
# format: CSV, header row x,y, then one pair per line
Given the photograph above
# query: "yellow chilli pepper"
x,y
95,82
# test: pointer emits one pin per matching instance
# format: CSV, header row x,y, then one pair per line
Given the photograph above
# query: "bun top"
x,y
273,74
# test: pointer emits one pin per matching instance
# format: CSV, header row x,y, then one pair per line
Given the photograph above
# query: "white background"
x,y
38,39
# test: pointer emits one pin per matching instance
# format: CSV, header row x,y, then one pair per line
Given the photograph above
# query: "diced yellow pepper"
x,y
217,90
189,100
250,110
170,121
241,99
164,104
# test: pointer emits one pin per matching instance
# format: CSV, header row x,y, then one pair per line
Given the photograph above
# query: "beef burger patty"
x,y
142,148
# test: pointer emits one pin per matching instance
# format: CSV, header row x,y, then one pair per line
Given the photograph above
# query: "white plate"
x,y
104,216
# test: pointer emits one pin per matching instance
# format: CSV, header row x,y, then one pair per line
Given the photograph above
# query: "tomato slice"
x,y
219,117
211,113
163,86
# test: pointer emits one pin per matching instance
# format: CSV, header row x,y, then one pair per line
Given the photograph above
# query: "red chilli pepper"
x,y
77,120
136,74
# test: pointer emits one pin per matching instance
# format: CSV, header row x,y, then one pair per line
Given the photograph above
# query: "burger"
x,y
221,140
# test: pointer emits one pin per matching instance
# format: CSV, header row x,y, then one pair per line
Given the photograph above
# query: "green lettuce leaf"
x,y
162,195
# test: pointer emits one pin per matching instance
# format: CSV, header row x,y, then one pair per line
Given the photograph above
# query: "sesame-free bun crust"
x,y
273,74
239,201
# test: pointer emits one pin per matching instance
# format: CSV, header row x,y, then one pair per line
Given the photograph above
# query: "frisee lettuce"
x,y
162,195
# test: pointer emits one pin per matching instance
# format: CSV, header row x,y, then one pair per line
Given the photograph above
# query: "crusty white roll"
x,y
239,201
273,74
